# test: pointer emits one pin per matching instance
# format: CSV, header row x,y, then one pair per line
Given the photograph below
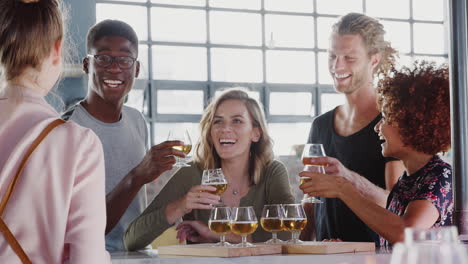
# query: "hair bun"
x,y
29,1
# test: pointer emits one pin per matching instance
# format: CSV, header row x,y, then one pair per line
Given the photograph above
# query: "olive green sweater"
x,y
273,188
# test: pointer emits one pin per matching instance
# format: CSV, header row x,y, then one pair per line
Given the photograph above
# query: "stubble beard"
x,y
358,81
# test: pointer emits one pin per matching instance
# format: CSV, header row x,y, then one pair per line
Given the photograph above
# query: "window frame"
x,y
209,87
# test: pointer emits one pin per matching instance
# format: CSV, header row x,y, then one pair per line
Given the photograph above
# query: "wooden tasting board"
x,y
328,247
207,250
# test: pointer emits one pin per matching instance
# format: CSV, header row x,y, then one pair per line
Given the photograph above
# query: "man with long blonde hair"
x,y
358,53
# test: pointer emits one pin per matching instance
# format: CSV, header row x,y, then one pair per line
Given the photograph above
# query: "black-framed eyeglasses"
x,y
103,60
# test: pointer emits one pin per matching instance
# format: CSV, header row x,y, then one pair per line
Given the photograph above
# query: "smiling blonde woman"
x,y
234,137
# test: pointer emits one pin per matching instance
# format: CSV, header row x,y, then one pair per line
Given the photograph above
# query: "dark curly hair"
x,y
111,27
417,101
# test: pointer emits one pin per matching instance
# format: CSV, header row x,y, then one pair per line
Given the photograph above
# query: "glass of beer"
x,y
312,151
272,221
316,169
220,223
244,222
215,178
294,221
186,148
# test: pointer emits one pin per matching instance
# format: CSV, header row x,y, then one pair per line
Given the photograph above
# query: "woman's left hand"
x,y
195,231
324,185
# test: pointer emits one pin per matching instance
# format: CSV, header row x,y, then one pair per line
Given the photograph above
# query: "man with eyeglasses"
x,y
112,66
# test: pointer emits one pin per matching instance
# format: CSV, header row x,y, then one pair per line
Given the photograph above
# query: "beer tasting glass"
x,y
272,221
429,246
294,221
244,222
311,151
186,148
220,223
316,169
215,178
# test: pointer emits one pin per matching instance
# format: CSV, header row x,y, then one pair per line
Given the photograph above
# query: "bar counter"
x,y
151,256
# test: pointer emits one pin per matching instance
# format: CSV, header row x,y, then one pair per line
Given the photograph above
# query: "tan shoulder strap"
x,y
10,238
3,227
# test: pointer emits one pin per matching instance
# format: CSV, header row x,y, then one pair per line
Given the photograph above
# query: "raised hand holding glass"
x,y
312,151
215,178
316,169
186,148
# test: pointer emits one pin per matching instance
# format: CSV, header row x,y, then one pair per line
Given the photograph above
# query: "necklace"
x,y
235,191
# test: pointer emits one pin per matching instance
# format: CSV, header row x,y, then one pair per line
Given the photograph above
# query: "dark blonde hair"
x,y
372,32
261,152
28,31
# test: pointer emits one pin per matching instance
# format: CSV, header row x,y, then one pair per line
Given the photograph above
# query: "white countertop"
x,y
151,256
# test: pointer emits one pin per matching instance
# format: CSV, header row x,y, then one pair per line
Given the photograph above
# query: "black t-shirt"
x,y
360,152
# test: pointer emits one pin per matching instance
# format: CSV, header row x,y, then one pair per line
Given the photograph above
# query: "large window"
x,y
190,49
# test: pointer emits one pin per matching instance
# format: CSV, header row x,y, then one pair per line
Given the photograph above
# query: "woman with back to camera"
x,y
56,209
415,127
233,137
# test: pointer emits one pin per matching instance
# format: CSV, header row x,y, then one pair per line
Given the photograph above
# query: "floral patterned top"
x,y
433,183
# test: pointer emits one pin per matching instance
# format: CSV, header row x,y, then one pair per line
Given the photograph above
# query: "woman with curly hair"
x,y
415,127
